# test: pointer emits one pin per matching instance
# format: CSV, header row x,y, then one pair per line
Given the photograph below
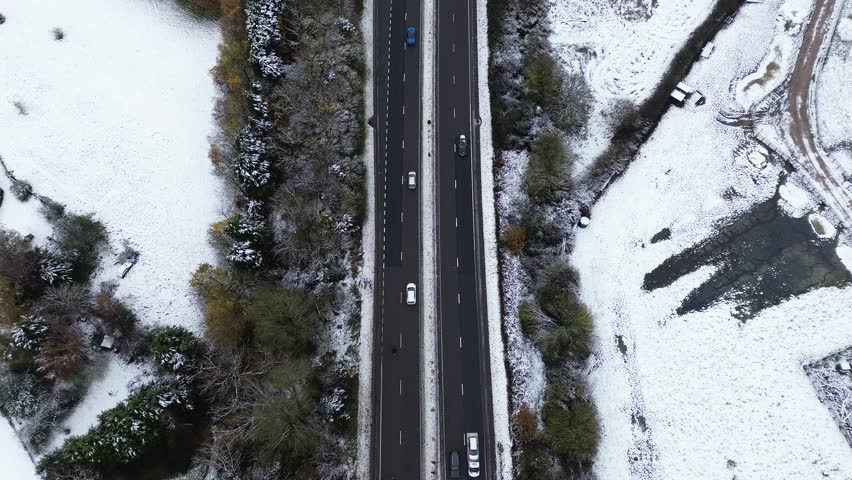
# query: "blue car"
x,y
411,36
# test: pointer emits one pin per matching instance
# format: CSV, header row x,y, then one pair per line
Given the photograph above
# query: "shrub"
x,y
125,432
225,325
114,314
56,266
536,463
527,317
29,332
514,239
174,349
19,268
565,324
284,426
63,352
543,76
202,8
557,279
52,210
283,319
570,426
548,172
22,190
571,331
570,113
218,288
526,425
84,236
67,299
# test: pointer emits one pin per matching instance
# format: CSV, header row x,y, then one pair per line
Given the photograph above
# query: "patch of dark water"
x,y
763,257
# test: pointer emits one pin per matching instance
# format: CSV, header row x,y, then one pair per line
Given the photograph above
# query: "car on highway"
x,y
412,180
455,465
472,441
410,294
410,36
461,146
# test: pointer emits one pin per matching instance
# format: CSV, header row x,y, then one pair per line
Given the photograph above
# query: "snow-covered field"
x,y
117,115
108,389
703,395
623,47
16,463
112,119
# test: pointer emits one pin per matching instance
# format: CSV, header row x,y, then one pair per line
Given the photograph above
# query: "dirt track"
x,y
798,100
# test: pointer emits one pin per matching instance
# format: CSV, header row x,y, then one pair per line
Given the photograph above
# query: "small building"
x,y
708,50
685,88
843,366
108,342
697,99
678,96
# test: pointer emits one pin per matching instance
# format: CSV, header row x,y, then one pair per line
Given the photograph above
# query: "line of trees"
x,y
539,108
282,402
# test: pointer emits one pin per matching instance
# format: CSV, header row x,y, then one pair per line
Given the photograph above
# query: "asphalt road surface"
x,y
396,442
465,377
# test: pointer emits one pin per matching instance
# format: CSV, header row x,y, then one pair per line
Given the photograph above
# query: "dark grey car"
x,y
462,146
455,464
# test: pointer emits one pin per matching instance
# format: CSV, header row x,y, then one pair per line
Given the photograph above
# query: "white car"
x,y
412,180
472,441
410,294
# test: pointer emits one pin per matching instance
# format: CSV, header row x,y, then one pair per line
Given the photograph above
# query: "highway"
x,y
465,387
397,416
464,377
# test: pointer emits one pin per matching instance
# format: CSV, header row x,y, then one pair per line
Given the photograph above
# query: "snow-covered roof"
x,y
708,50
685,88
108,342
678,95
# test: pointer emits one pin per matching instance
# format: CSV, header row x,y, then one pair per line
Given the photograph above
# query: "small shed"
x,y
843,366
678,96
108,342
708,50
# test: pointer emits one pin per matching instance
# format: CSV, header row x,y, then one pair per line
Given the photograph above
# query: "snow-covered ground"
x,y
703,395
430,423
16,463
778,61
623,47
117,118
22,217
525,361
110,387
